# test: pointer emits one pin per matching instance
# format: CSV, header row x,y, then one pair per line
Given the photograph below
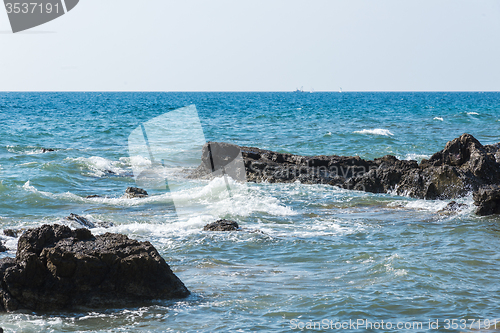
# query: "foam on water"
x,y
415,157
100,166
434,205
438,118
376,131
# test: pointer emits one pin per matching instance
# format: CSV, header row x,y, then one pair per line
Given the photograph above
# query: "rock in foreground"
x,y
57,268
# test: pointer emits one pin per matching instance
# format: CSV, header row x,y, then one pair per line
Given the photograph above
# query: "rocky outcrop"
x,y
222,225
462,167
488,200
135,192
2,247
57,268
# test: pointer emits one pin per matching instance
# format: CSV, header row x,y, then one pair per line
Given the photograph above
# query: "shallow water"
x,y
322,253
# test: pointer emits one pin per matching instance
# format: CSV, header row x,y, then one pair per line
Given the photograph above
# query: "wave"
x,y
473,113
434,205
210,199
376,131
99,166
24,150
438,118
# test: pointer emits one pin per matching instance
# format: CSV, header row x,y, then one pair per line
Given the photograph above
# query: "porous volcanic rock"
x,y
464,166
222,225
135,192
488,200
57,268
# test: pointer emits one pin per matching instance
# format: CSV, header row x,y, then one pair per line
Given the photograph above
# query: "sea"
x,y
313,258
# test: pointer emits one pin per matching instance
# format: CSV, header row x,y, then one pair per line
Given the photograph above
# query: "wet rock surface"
x,y
84,222
57,268
135,192
12,232
453,207
488,200
222,225
462,167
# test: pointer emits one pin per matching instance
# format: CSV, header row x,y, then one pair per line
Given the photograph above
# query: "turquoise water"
x,y
323,254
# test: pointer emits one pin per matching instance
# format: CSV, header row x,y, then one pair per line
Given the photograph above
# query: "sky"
x,y
258,45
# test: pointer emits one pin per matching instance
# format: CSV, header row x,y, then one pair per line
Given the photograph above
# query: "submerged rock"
x,y
222,225
488,200
82,221
57,268
453,207
135,192
462,167
93,196
46,150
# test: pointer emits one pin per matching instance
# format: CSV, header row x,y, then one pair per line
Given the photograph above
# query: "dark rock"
x,y
222,225
80,220
135,192
57,268
2,247
93,196
46,150
488,200
462,167
12,232
453,207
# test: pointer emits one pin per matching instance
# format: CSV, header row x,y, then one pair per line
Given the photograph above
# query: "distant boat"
x,y
312,90
301,90
340,89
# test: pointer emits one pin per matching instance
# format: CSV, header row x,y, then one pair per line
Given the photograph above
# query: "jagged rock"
x,y
222,225
135,192
2,247
12,232
46,150
57,268
93,196
462,167
80,220
488,200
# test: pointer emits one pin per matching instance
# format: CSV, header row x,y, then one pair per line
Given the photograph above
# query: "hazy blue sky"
x,y
271,45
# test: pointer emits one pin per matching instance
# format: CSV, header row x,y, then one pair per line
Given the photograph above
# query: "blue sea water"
x,y
325,255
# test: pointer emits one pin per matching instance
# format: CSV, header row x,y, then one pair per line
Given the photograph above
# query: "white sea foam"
x,y
28,150
416,157
433,205
473,113
209,200
100,166
376,131
438,118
